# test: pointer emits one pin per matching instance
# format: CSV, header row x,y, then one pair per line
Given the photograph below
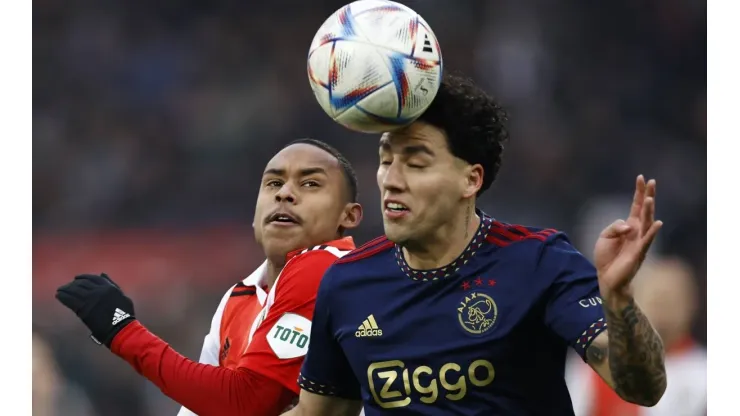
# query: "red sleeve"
x,y
281,341
204,389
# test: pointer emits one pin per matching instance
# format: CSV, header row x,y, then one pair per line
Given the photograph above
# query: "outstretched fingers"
x,y
647,240
647,216
616,229
639,198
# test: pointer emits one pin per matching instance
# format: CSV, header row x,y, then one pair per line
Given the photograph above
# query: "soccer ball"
x,y
374,66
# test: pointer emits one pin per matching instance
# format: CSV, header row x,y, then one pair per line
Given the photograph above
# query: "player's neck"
x,y
444,246
272,272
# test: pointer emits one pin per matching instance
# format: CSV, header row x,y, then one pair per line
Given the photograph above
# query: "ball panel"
x,y
424,79
355,71
371,6
318,64
330,29
322,97
357,119
383,102
389,27
426,46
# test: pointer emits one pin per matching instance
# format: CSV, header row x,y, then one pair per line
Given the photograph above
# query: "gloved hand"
x,y
99,303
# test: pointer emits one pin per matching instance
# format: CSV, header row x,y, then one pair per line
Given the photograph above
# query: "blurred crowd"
x,y
153,121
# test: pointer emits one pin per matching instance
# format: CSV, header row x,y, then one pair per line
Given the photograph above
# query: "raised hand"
x,y
623,245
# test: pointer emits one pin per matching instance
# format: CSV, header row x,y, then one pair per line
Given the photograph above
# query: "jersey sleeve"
x,y
205,389
211,343
326,370
573,309
281,341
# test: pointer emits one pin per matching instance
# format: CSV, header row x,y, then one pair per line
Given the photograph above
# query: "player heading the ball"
x,y
476,314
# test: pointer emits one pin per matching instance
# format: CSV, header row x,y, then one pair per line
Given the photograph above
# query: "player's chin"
x,y
395,232
282,244
281,235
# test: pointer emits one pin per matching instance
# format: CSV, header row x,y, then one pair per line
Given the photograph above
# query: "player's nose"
x,y
286,193
392,178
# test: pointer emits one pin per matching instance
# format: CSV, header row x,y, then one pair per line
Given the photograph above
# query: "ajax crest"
x,y
477,313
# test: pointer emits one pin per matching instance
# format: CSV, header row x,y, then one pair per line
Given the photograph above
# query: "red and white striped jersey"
x,y
268,329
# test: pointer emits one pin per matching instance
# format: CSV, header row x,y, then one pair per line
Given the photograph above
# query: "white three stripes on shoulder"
x,y
331,249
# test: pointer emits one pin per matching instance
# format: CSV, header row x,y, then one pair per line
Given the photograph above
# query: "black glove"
x,y
99,303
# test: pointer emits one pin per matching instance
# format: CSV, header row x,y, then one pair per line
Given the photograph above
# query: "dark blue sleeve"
x,y
326,370
573,309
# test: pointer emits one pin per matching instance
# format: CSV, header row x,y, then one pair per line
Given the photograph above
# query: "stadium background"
x,y
153,121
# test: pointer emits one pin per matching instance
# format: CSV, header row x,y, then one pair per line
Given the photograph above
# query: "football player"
x,y
456,312
260,332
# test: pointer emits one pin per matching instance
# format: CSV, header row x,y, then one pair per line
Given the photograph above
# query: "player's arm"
x,y
629,355
211,343
635,352
328,384
204,389
279,344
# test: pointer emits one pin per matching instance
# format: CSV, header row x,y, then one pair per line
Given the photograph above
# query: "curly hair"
x,y
474,123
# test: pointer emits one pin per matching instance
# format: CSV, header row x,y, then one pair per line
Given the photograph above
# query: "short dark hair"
x,y
349,173
474,123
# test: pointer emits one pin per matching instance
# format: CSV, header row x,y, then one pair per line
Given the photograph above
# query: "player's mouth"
x,y
394,210
283,219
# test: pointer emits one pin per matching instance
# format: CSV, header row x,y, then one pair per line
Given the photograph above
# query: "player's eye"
x,y
310,184
273,183
415,166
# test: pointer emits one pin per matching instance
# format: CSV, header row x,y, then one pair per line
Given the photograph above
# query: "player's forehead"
x,y
418,134
302,157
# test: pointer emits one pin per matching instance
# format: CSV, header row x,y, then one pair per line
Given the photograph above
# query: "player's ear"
x,y
351,216
473,180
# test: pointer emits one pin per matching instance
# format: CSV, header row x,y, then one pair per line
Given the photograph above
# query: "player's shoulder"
x,y
364,261
368,252
533,245
503,234
318,257
322,250
305,269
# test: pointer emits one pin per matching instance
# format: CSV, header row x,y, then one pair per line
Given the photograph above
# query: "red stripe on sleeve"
x,y
204,389
501,230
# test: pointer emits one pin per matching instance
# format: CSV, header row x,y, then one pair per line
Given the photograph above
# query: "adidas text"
x,y
368,333
369,328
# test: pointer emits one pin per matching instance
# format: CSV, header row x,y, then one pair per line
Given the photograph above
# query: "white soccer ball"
x,y
374,66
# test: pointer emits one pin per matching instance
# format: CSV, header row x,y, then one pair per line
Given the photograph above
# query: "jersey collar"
x,y
258,277
345,243
449,270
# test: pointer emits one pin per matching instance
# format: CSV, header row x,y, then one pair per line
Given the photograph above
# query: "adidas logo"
x,y
369,328
119,316
427,44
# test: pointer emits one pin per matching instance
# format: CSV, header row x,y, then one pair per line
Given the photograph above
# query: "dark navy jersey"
x,y
486,335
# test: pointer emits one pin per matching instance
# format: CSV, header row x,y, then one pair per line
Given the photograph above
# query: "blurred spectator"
x,y
666,291
52,395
